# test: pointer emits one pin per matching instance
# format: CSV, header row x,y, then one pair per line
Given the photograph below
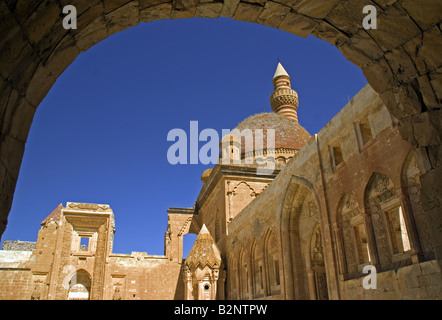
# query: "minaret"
x,y
284,100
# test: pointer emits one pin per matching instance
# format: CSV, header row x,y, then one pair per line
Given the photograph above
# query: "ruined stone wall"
x,y
141,277
18,245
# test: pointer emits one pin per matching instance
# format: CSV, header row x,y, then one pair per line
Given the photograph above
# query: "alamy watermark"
x,y
234,145
369,21
369,281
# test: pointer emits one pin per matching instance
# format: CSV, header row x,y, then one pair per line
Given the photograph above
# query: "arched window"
x,y
354,235
258,271
272,264
188,241
412,191
243,275
386,212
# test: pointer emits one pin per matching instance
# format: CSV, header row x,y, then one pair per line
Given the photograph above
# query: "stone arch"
x,y
400,60
80,286
387,230
300,199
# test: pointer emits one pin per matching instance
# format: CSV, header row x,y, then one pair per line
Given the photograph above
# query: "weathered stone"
x,y
91,34
347,16
426,13
428,95
297,24
13,49
63,55
247,12
327,32
88,16
402,101
158,12
82,6
143,4
380,75
424,132
436,83
183,9
229,8
21,120
209,9
314,9
360,49
273,14
402,65
111,5
122,18
11,153
42,20
394,28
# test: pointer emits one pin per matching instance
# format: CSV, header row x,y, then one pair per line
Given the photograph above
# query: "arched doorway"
x,y
79,286
305,268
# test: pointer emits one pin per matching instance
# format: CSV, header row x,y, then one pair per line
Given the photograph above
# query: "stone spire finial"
x,y
284,100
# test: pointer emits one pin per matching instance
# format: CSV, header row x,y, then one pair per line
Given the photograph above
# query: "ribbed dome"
x,y
288,134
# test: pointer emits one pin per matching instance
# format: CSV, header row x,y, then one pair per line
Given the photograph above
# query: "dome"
x,y
288,134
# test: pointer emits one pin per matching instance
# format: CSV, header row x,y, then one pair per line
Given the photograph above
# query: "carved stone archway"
x,y
400,59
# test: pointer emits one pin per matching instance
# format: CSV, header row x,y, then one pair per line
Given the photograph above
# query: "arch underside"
x,y
401,61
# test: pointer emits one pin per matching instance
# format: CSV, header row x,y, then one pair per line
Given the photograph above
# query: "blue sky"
x,y
100,135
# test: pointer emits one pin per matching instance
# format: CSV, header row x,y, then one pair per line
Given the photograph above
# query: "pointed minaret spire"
x,y
284,100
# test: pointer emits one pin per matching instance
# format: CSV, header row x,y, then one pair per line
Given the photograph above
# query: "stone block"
x,y
63,55
183,9
402,65
11,153
428,93
229,8
21,120
327,32
157,12
347,16
426,13
273,14
394,27
407,277
81,6
42,20
315,9
13,49
91,34
298,24
209,9
247,12
361,49
425,133
122,18
111,5
143,4
88,16
436,84
380,76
